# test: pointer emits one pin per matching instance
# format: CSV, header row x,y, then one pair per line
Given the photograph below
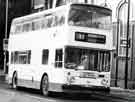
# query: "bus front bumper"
x,y
84,89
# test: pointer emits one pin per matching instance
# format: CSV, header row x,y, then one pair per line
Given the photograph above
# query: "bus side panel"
x,y
58,79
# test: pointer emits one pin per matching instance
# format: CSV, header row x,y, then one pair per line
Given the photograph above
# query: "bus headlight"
x,y
104,82
70,79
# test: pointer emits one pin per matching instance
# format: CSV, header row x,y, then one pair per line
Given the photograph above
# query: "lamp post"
x,y
6,19
127,46
5,39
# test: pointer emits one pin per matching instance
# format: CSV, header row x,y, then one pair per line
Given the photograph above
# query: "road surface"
x,y
31,95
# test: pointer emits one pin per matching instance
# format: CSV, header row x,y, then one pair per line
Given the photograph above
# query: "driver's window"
x,y
58,58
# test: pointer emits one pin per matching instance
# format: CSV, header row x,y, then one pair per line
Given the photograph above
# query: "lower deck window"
x,y
21,57
45,54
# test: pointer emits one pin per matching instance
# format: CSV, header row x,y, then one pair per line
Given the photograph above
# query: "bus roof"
x,y
46,12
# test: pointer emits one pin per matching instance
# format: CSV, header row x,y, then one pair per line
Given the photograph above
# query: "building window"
x,y
114,34
38,4
60,3
45,55
48,4
122,51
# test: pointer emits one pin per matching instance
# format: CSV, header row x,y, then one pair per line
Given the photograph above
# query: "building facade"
x,y
120,39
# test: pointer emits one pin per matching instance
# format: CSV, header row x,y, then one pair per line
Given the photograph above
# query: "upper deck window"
x,y
90,16
48,20
18,28
27,27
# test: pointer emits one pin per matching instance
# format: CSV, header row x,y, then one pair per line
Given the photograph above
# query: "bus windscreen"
x,y
90,16
87,59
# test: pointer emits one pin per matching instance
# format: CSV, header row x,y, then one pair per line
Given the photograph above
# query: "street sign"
x,y
5,44
123,42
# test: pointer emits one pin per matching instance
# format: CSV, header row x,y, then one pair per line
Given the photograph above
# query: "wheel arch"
x,y
42,78
14,80
15,72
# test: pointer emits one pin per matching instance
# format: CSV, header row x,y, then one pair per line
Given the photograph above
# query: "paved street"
x,y
30,95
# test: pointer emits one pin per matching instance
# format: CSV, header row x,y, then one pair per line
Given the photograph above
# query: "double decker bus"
x,y
66,49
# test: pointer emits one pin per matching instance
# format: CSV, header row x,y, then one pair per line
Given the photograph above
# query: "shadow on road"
x,y
62,96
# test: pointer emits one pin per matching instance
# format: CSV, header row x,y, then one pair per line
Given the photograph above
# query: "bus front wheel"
x,y
14,81
45,85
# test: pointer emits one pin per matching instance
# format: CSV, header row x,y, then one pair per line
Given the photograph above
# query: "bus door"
x,y
93,57
58,65
104,62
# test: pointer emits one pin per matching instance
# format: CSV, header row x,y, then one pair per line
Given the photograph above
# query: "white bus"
x,y
66,49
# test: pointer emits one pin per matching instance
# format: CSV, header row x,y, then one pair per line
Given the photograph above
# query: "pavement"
x,y
2,77
121,90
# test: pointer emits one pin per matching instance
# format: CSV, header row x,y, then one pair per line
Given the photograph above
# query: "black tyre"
x,y
45,85
14,81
